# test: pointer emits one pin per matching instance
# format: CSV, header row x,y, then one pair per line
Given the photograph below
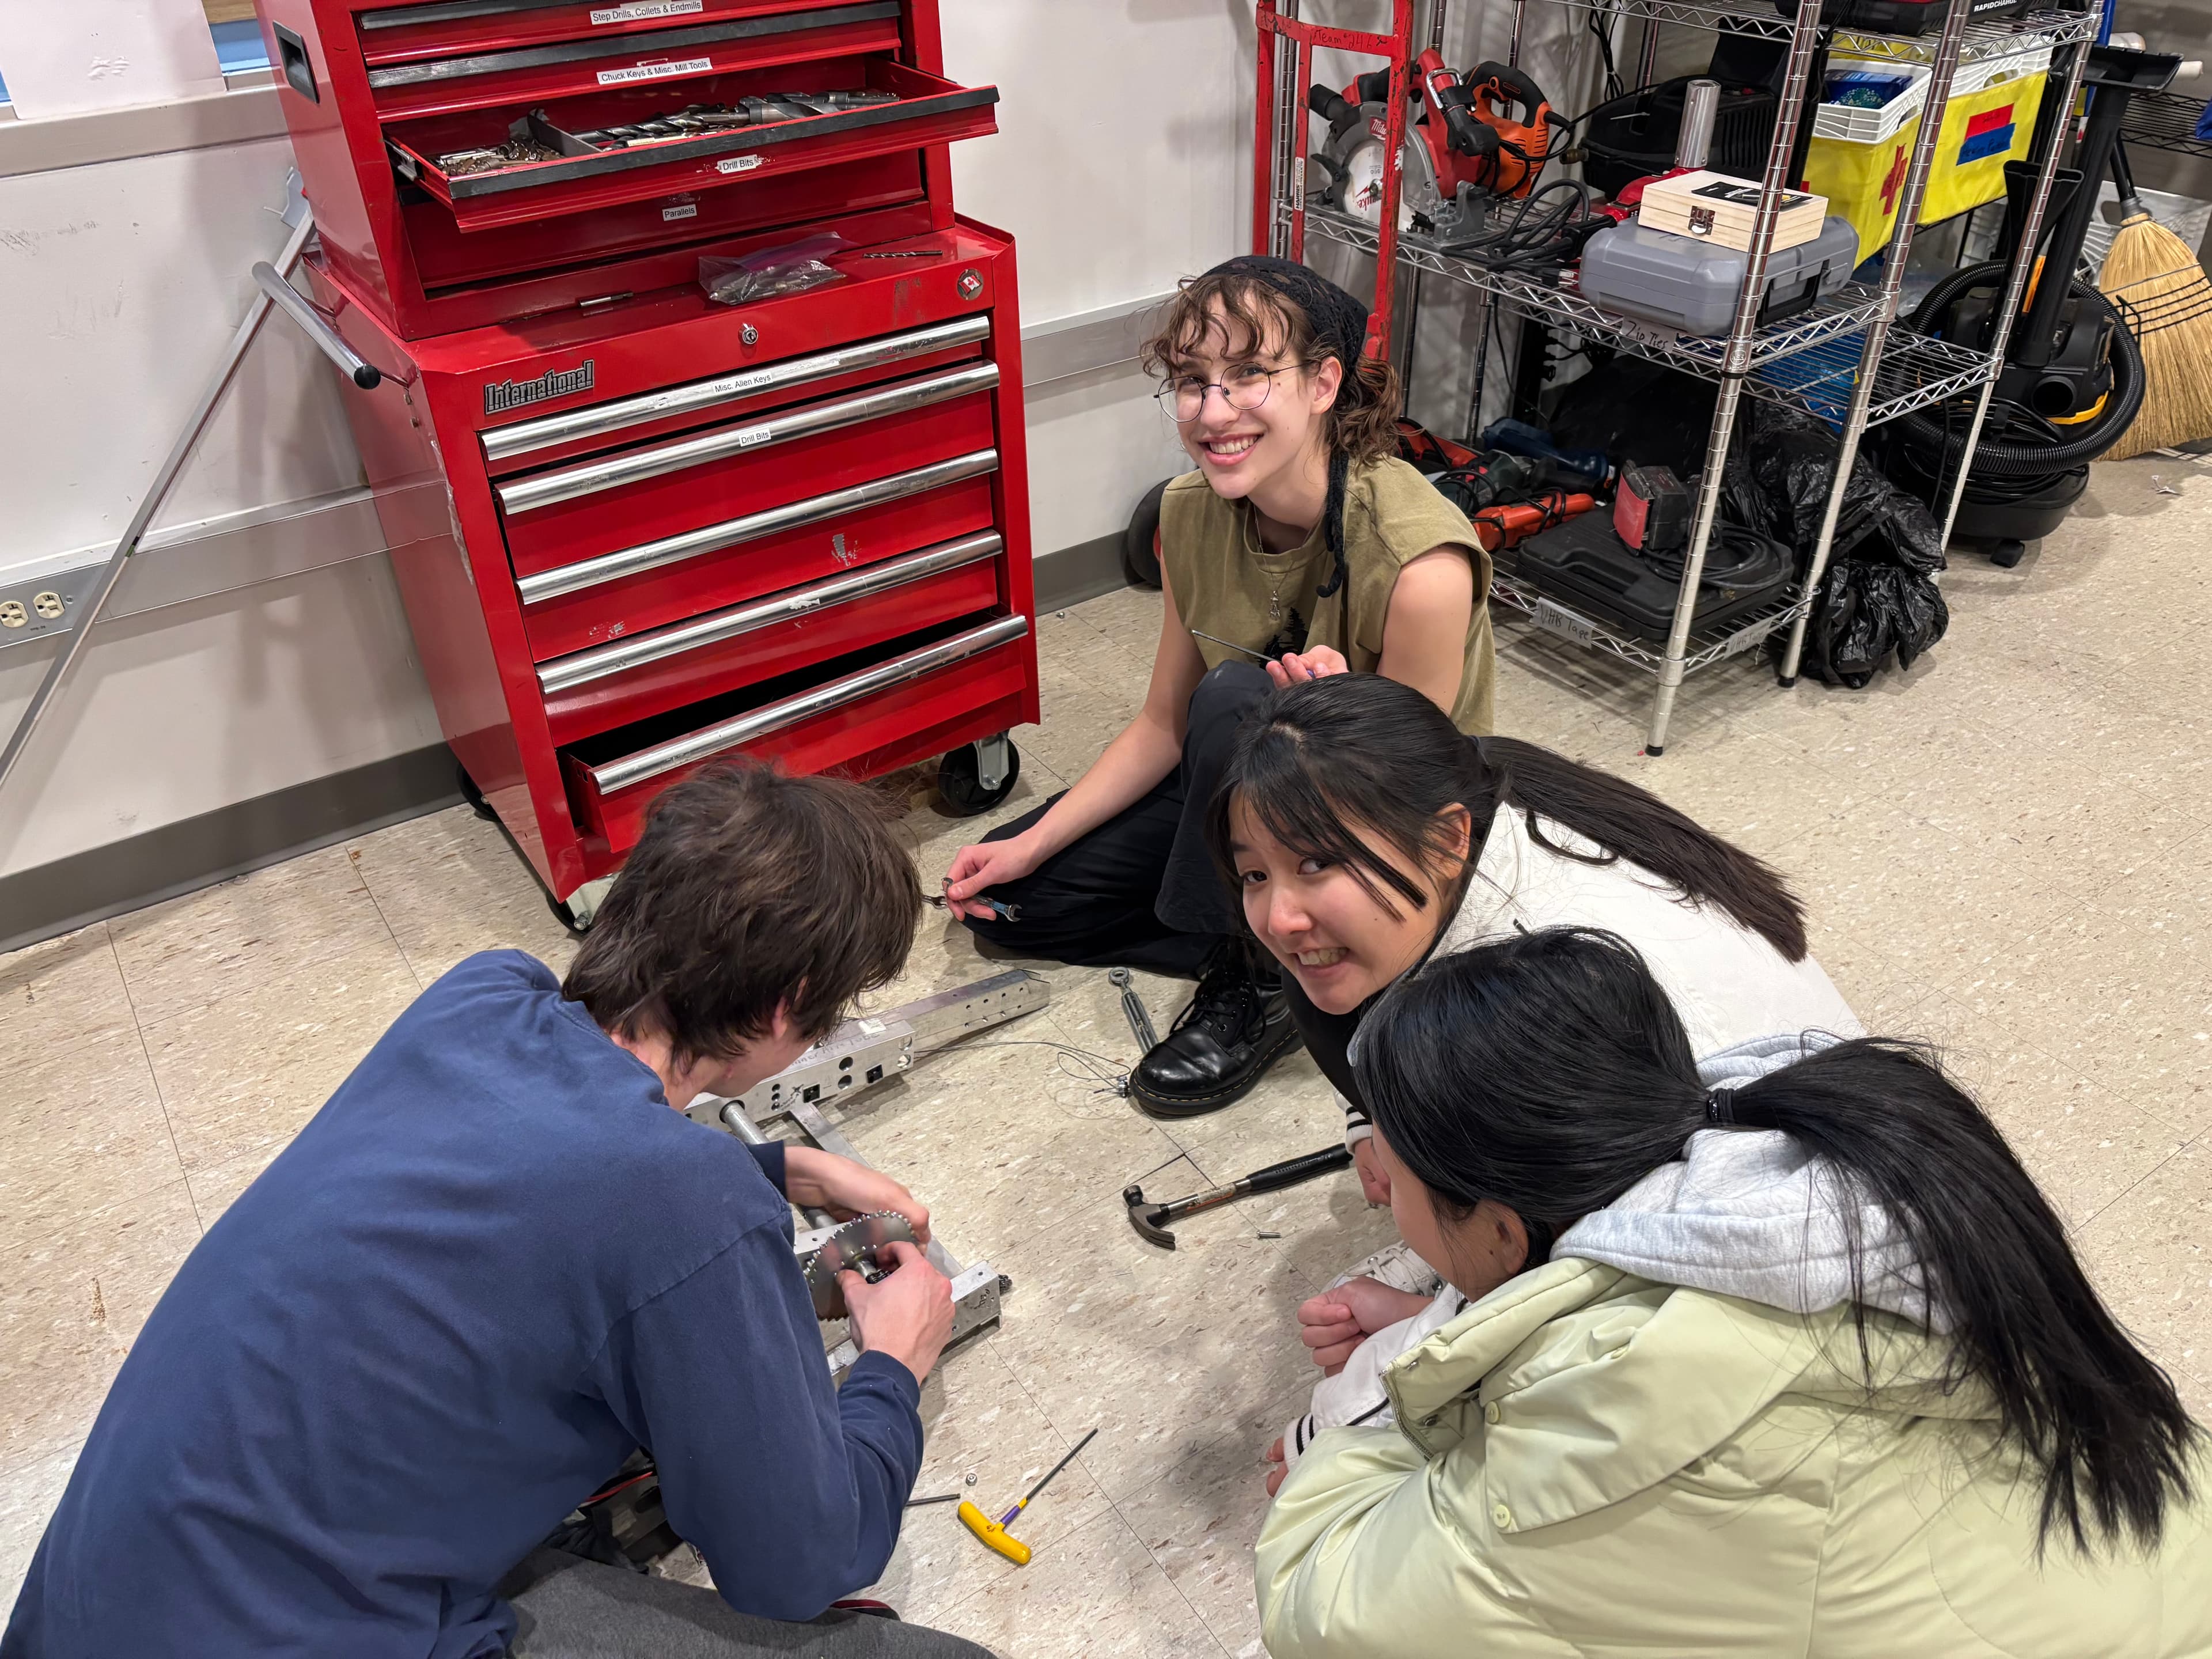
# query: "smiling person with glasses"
x,y
1301,547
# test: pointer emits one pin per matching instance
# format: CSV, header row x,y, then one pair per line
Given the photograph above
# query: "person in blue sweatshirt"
x,y
499,1261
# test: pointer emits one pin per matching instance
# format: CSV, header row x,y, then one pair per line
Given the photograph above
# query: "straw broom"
x,y
2153,276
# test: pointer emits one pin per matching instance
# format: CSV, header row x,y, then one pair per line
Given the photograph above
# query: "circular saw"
x,y
1459,152
862,1245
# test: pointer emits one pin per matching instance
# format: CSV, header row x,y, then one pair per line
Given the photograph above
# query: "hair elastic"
x,y
1720,1109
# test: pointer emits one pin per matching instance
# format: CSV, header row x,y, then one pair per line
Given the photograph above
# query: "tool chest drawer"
x,y
571,607
410,78
640,675
477,162
415,30
596,506
863,716
581,166
663,410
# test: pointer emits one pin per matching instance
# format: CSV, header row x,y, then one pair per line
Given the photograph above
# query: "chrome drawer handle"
x,y
618,656
570,482
775,716
731,533
504,443
649,45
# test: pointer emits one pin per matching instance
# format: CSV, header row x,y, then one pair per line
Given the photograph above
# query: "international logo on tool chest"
x,y
553,383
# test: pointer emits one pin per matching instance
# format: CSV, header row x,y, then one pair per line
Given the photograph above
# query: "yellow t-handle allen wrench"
x,y
993,1533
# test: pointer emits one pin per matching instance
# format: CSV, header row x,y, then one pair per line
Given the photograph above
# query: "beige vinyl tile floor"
x,y
2005,848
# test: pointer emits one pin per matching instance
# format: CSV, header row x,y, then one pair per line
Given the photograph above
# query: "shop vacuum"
x,y
2072,380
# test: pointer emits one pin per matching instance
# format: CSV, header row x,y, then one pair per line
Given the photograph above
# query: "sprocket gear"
x,y
859,1244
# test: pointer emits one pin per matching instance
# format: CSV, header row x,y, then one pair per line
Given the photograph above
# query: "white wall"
x,y
1121,166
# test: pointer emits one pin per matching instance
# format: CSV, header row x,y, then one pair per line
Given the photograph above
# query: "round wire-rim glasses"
x,y
1245,388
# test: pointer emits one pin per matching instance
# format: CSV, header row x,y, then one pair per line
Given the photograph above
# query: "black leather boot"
x,y
1235,1026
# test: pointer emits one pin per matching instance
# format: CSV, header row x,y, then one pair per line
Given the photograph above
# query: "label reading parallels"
x,y
739,164
688,210
655,71
646,9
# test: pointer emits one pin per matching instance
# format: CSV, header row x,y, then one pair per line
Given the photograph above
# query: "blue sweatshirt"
x,y
494,1263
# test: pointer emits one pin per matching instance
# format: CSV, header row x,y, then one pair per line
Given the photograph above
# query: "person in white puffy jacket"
x,y
1367,836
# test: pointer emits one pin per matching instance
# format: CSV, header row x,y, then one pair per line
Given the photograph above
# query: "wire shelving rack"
x,y
1847,360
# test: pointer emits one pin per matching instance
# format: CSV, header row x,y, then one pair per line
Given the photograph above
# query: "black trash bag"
x,y
1777,480
1877,600
1868,611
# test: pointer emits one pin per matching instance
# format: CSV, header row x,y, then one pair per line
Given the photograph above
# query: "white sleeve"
x,y
1355,1394
1357,1129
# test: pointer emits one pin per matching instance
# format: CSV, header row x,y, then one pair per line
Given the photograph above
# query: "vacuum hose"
x,y
1998,457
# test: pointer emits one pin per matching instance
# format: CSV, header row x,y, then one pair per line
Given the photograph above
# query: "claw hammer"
x,y
1151,1220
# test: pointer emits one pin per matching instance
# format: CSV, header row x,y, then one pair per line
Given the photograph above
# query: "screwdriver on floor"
x,y
994,1533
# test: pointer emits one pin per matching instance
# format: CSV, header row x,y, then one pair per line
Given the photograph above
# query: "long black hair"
x,y
1323,760
1549,1073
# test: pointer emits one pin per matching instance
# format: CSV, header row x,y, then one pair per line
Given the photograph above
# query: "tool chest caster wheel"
x,y
1140,543
567,918
977,776
473,795
2007,554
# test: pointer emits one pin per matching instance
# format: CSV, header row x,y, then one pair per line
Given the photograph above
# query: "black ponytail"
x,y
1549,1072
1325,754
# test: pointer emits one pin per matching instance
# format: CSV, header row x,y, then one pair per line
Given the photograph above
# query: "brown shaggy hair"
x,y
1362,425
749,890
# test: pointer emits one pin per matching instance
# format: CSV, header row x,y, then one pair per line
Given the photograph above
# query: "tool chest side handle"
x,y
774,717
319,333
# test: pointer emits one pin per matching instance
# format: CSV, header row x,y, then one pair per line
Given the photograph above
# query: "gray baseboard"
x,y
90,886
1079,573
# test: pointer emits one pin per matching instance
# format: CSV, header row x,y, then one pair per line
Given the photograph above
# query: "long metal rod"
x,y
1948,48
1735,365
2023,262
103,589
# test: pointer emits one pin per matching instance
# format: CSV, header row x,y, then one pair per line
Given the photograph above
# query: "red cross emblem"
x,y
1889,186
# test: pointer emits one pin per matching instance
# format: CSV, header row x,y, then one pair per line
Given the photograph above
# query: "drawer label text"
x,y
739,164
645,8
654,71
754,435
688,211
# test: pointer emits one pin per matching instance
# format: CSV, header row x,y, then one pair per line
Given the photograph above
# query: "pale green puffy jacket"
x,y
1587,1463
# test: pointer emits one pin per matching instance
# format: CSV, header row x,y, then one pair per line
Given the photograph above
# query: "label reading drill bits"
x,y
655,71
647,8
739,164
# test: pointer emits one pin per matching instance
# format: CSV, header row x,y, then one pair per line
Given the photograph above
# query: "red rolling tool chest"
x,y
635,529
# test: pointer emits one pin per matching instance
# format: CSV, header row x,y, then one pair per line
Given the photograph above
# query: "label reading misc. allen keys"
x,y
655,71
646,9
729,386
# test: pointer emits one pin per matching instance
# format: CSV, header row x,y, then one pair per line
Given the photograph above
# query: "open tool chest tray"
x,y
930,111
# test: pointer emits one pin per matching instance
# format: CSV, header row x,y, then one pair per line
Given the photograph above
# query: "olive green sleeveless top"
x,y
1225,584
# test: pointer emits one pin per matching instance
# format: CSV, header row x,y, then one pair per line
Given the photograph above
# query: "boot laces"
x,y
1227,1004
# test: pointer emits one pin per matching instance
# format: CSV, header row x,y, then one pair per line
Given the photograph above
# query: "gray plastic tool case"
x,y
1690,285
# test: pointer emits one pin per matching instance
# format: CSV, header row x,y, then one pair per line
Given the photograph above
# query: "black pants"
x,y
1141,890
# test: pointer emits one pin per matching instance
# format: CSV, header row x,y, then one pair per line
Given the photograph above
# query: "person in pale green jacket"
x,y
1802,1367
